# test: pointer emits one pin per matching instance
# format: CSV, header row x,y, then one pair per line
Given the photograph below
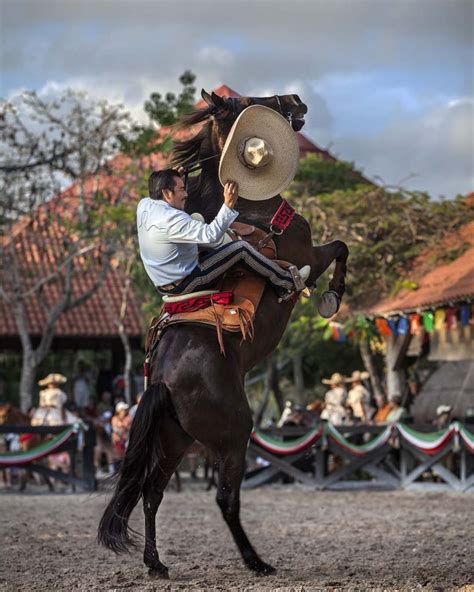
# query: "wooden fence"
x,y
364,457
78,443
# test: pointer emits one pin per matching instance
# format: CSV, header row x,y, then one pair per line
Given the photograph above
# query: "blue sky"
x,y
389,84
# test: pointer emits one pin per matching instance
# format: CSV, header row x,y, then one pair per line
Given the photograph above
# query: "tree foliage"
x,y
48,145
166,110
385,230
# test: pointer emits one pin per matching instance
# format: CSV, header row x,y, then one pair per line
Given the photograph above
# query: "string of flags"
x,y
402,324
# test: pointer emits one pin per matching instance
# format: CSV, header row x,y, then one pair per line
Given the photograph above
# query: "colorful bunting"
x,y
383,327
439,319
428,321
403,326
464,315
415,324
393,324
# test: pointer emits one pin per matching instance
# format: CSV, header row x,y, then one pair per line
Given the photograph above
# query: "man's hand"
x,y
231,193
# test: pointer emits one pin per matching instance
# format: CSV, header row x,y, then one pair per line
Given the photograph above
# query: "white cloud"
x,y
437,149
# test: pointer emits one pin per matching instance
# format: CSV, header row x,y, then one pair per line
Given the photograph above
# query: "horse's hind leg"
x,y
231,472
173,442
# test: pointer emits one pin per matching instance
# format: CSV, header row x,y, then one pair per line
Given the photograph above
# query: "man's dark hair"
x,y
160,180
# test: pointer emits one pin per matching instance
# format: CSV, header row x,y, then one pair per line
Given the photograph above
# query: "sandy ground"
x,y
316,540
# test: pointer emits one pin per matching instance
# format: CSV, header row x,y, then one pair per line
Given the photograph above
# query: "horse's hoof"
x,y
159,573
261,568
329,304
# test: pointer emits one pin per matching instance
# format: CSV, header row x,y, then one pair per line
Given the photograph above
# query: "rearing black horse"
x,y
196,393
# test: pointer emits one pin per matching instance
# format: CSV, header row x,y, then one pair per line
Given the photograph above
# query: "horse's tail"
x,y
142,453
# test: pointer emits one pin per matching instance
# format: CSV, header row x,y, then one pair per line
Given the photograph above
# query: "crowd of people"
x,y
110,415
348,401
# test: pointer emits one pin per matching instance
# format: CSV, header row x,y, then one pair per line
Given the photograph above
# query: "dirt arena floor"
x,y
316,540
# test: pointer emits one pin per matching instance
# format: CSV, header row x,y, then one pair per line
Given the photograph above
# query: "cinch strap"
x,y
282,218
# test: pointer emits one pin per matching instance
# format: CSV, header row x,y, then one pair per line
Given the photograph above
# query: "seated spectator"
x,y
358,398
335,400
397,412
121,423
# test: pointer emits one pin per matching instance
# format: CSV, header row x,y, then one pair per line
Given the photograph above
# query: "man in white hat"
x,y
335,400
358,397
169,240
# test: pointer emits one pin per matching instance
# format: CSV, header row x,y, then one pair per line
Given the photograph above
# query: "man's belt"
x,y
171,286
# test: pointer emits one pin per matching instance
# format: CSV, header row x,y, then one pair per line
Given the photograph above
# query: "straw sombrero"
x,y
358,375
336,378
261,154
53,379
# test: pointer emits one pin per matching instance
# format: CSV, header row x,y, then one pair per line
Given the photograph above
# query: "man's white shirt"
x,y
169,238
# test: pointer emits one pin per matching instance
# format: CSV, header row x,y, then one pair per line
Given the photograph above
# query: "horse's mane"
x,y
186,151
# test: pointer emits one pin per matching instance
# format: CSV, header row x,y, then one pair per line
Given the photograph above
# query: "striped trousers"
x,y
212,265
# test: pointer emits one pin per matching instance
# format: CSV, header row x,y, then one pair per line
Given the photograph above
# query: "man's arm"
x,y
186,230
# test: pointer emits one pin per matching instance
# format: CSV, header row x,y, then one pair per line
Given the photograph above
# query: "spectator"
x,y
287,411
105,403
334,400
397,412
51,410
443,416
358,397
383,409
104,445
121,423
81,388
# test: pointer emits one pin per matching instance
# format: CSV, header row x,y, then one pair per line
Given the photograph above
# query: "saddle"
x,y
230,308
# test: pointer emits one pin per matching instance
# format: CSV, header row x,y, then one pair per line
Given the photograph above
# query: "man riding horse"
x,y
196,393
169,237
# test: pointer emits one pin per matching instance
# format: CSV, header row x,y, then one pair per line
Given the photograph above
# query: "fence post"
x,y
88,469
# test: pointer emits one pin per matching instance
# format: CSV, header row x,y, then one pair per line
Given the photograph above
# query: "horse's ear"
x,y
218,101
207,98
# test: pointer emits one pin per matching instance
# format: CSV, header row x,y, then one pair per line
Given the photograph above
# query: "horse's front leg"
x,y
231,471
324,255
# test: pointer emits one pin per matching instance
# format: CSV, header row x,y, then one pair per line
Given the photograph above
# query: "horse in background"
x,y
196,393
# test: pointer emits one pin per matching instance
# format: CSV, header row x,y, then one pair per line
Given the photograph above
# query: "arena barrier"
x,y
364,457
77,440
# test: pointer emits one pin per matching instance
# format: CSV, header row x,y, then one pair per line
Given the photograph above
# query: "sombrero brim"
x,y
52,379
362,376
266,182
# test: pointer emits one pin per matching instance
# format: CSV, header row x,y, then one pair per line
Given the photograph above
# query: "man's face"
x,y
176,197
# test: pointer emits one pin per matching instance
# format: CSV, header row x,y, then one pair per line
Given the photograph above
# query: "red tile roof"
x,y
38,244
441,285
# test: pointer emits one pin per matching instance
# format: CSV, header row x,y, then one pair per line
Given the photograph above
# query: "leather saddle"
x,y
230,307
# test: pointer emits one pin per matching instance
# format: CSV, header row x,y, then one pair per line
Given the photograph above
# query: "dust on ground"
x,y
316,540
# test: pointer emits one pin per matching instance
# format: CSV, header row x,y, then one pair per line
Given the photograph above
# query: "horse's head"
x,y
227,109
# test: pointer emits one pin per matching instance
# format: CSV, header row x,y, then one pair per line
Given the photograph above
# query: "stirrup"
x,y
297,280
